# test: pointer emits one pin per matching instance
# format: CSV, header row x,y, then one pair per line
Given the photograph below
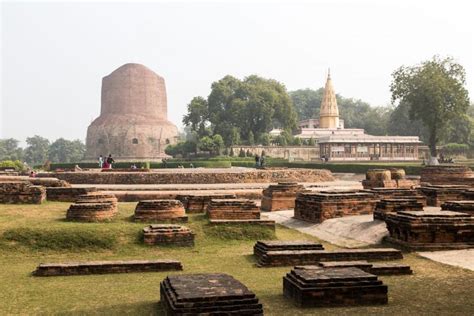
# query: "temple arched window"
x,y
135,141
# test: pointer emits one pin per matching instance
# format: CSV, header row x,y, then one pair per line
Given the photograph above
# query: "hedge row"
x,y
153,165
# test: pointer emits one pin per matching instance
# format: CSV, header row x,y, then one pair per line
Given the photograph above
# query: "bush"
x,y
9,164
70,238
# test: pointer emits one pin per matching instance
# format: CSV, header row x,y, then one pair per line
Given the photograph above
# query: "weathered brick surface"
x,y
66,194
160,210
447,174
459,206
198,203
281,196
263,246
397,193
261,222
333,287
192,176
233,209
385,206
207,294
21,192
431,230
104,267
44,181
91,212
438,194
168,235
278,258
384,268
389,178
317,207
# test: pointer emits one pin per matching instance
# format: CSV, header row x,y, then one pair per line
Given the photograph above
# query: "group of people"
x,y
106,163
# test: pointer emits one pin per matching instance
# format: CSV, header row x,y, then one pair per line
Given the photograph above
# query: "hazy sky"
x,y
55,54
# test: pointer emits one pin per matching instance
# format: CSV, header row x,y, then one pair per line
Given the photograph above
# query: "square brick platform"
x,y
385,206
459,206
369,267
281,196
197,203
438,194
207,294
168,235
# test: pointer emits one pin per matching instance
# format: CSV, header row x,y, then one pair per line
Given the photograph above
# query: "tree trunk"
x,y
433,152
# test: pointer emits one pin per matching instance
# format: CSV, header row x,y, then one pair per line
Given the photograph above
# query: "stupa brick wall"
x,y
160,210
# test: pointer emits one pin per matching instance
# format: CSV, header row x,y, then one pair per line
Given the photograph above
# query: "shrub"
x,y
10,164
70,238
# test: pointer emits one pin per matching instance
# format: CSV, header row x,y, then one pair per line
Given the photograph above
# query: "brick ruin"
x,y
430,230
466,207
104,267
160,210
318,207
197,203
438,194
168,235
388,178
21,192
397,193
310,254
334,287
384,206
207,294
447,174
261,247
93,207
66,194
379,268
281,196
236,211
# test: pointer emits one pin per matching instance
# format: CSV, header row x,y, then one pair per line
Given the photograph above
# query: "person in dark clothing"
x,y
257,161
110,161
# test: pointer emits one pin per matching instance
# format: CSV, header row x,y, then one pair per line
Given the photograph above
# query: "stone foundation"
x,y
317,207
66,194
168,235
466,207
104,267
438,194
207,294
333,287
385,206
431,230
160,210
233,209
198,203
447,174
193,176
281,196
21,192
279,258
369,267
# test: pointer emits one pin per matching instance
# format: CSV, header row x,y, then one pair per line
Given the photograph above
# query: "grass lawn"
x,y
434,289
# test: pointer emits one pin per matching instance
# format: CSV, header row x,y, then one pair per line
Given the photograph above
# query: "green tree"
x,y
197,116
206,144
297,141
9,149
251,139
63,150
265,139
36,151
218,143
435,93
311,142
281,140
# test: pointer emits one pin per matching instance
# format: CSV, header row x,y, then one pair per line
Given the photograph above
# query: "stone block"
x,y
334,287
104,267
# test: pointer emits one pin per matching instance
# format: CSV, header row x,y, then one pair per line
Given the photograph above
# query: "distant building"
x,y
337,143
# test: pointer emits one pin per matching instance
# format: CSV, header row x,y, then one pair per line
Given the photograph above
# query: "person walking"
x,y
101,161
110,161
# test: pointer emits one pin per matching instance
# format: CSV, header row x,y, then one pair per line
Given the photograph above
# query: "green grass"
x,y
434,289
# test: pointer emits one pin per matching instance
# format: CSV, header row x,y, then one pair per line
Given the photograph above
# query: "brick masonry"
x,y
440,193
207,294
197,203
431,230
281,196
104,267
233,209
160,210
384,206
384,268
66,194
317,207
334,287
168,235
459,206
447,174
21,192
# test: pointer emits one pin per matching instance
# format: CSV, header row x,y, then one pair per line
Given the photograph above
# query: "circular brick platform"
x,y
160,210
91,212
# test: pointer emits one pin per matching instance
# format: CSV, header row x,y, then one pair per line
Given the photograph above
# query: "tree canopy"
x,y
435,95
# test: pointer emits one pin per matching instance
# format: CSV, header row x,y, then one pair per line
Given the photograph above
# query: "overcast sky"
x,y
55,54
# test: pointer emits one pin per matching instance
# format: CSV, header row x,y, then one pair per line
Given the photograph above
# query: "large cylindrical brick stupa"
x,y
133,123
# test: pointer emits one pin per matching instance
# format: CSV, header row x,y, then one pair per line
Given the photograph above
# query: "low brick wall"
x,y
103,267
193,176
21,192
66,194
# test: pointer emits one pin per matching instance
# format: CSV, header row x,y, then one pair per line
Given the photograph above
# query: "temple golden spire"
x,y
329,113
